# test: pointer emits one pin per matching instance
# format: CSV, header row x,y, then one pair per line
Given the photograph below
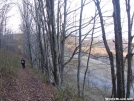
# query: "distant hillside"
x,y
18,38
97,47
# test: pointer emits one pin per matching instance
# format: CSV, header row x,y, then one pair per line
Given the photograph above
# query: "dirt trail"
x,y
27,87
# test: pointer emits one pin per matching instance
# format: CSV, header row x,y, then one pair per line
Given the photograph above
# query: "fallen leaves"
x,y
26,87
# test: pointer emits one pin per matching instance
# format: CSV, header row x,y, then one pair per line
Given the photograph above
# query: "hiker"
x,y
23,62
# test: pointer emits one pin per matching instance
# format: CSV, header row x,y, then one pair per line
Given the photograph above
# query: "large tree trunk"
x,y
119,50
53,42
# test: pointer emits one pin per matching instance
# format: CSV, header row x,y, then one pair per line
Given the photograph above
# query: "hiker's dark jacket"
x,y
22,61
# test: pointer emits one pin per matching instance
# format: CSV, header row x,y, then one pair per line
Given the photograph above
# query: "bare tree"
x,y
53,42
89,54
129,55
119,49
4,9
79,55
110,54
26,29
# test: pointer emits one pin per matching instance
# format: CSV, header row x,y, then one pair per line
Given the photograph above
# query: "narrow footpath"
x,y
27,87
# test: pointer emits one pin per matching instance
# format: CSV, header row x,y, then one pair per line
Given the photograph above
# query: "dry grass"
x,y
9,64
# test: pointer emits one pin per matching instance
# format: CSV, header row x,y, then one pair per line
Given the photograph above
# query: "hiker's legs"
x,y
23,65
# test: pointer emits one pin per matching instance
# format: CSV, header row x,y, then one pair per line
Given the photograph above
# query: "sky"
x,y
15,20
107,10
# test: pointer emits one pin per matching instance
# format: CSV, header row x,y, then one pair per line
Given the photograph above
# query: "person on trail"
x,y
23,62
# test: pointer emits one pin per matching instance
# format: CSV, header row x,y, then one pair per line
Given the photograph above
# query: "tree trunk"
x,y
111,59
129,55
63,40
80,46
54,42
119,50
85,74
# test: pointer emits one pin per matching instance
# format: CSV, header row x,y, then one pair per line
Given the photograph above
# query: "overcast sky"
x,y
14,21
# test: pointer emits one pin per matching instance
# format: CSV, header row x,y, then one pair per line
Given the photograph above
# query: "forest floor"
x,y
26,86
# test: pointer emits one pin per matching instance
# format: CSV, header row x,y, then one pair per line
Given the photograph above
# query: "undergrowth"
x,y
9,64
38,73
66,94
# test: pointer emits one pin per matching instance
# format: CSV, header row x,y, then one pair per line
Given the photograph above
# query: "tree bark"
x,y
129,72
119,50
54,43
111,59
63,40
